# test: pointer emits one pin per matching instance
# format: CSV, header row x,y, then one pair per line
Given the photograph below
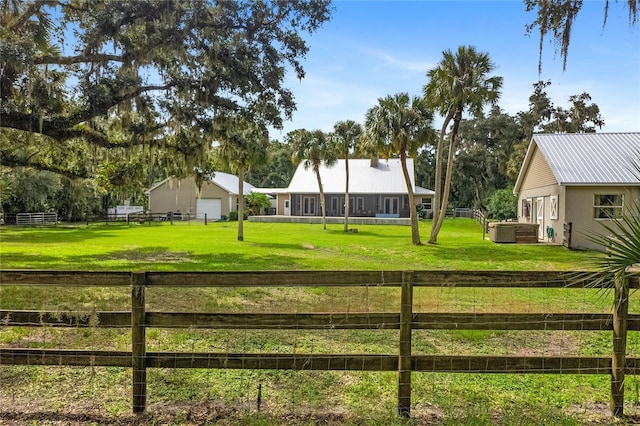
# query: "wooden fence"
x,y
404,362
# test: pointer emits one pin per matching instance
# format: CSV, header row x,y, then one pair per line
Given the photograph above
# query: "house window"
x,y
335,206
309,206
607,206
526,208
391,205
427,203
359,203
553,214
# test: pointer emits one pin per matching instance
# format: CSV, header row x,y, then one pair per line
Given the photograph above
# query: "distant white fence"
x,y
121,212
36,219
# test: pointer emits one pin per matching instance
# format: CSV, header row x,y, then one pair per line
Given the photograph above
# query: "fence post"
x,y
618,361
138,344
404,360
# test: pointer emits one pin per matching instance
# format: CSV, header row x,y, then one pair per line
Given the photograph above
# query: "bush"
x,y
502,205
257,202
233,216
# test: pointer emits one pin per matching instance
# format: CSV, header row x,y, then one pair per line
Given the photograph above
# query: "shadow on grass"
x,y
404,233
155,259
58,234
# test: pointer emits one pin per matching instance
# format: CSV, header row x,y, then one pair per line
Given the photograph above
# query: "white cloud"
x,y
404,65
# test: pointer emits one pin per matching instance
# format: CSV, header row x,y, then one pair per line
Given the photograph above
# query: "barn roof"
x,y
384,178
229,183
587,158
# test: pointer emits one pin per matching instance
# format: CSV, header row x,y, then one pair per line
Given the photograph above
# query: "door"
x,y
309,206
287,209
391,205
352,207
540,217
212,207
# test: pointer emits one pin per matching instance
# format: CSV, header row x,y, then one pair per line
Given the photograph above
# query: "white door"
x,y
287,209
211,206
309,206
540,218
391,205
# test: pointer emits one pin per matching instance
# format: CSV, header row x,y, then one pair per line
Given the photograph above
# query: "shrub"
x,y
502,205
233,216
257,202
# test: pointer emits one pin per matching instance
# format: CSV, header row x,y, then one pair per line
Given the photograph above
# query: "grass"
x,y
301,397
269,246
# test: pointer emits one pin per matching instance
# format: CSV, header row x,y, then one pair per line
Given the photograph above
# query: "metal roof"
x,y
231,183
418,190
385,178
588,158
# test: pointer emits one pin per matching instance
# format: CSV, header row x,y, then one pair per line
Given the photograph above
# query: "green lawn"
x,y
299,397
194,246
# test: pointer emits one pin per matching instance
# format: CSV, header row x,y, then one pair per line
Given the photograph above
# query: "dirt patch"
x,y
150,257
201,413
22,412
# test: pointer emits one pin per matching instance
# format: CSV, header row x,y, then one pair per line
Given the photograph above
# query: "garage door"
x,y
211,206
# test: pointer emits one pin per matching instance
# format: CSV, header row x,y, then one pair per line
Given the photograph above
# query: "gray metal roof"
x,y
588,158
231,183
385,178
418,190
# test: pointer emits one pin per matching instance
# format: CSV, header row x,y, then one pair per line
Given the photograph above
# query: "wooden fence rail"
x,y
138,319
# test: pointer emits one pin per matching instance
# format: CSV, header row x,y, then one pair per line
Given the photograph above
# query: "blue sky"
x,y
371,49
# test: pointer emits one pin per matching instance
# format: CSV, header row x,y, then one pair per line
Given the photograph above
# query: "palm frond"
x,y
620,238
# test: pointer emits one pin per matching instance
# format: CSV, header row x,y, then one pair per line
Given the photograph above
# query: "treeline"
x,y
142,90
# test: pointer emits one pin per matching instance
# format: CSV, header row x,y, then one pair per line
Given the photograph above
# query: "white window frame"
x,y
427,202
553,207
335,205
309,206
391,205
598,206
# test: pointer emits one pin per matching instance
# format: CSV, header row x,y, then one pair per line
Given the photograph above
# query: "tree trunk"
x,y
437,224
346,194
241,203
437,196
316,169
413,214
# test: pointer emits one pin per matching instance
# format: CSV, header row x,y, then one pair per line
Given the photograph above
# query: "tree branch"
x,y
15,161
78,59
29,11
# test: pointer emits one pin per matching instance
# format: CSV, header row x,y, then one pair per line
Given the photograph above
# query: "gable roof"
x,y
385,178
229,183
587,158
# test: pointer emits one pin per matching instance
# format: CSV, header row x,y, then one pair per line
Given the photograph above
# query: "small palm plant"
x,y
621,239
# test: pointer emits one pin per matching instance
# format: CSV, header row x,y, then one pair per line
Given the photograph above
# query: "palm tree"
x,y
457,84
344,139
243,144
399,125
313,149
